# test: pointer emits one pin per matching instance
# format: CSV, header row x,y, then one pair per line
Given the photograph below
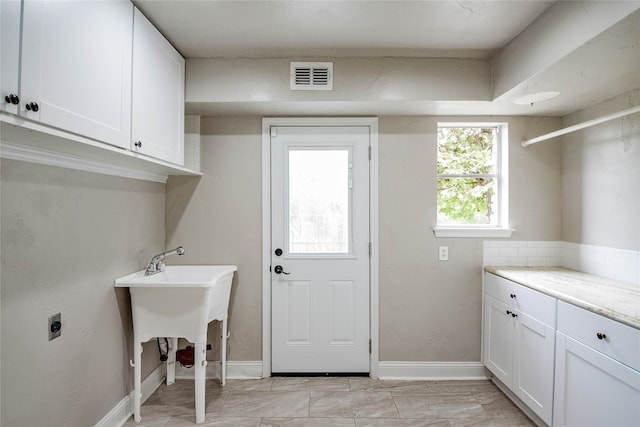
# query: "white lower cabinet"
x,y
533,365
570,366
592,387
499,337
519,342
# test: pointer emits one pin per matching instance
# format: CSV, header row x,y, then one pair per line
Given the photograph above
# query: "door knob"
x,y
279,270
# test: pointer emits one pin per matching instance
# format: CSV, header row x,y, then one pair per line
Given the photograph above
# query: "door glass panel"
x,y
319,201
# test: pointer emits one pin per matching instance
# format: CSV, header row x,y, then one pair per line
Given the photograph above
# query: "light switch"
x,y
443,252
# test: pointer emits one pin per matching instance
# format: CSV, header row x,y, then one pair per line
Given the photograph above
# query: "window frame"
x,y
501,228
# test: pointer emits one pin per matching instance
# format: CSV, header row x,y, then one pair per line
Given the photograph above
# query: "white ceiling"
x,y
341,28
595,65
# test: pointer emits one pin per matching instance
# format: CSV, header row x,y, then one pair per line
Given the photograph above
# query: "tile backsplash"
x,y
522,253
618,264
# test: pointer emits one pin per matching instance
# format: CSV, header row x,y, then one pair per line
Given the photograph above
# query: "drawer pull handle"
x,y
601,336
512,313
512,296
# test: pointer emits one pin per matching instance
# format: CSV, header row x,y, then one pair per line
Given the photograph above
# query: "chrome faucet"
x,y
156,265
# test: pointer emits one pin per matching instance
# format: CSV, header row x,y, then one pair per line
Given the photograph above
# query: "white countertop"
x,y
611,298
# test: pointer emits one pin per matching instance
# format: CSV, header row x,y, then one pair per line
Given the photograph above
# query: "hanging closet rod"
x,y
582,125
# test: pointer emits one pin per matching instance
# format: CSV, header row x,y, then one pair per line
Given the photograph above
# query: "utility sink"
x,y
179,302
179,276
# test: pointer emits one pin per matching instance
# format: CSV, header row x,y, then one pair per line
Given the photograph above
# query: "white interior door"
x,y
320,249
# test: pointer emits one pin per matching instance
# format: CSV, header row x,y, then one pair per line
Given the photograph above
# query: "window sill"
x,y
473,232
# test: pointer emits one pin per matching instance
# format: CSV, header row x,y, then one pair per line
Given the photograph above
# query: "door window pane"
x,y
319,199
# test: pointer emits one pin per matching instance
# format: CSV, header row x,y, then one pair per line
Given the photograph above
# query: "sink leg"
x,y
171,361
137,372
223,355
200,373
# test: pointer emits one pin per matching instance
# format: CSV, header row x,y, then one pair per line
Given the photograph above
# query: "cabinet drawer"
x,y
535,304
618,341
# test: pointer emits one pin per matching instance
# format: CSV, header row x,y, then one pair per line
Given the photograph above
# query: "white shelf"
x,y
29,141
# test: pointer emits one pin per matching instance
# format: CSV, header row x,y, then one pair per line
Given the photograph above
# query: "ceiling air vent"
x,y
311,76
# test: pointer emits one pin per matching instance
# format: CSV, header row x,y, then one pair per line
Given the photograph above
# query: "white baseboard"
x,y
123,411
236,370
431,371
244,370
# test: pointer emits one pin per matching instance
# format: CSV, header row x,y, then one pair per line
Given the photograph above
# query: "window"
x,y
319,200
472,185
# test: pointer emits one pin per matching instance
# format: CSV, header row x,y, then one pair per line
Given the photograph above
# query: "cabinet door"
x,y
592,389
533,365
10,51
158,94
498,339
76,66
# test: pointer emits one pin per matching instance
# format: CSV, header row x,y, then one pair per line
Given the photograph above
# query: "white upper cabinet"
x,y
76,67
10,50
158,94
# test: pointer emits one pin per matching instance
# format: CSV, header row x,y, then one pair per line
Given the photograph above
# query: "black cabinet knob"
x,y
32,106
601,336
512,296
138,144
12,98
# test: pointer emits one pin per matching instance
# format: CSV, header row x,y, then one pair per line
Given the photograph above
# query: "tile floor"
x,y
335,401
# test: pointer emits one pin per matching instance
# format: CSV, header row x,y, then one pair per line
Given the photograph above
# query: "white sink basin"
x,y
179,302
179,276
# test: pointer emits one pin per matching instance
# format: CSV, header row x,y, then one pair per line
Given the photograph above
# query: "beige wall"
x,y
373,86
429,310
601,178
217,218
66,235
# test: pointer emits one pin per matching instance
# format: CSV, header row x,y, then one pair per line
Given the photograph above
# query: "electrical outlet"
x,y
55,326
443,253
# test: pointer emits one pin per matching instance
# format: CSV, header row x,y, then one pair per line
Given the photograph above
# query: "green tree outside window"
x,y
467,176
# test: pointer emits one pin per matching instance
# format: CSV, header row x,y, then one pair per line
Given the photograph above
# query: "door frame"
x,y
374,295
